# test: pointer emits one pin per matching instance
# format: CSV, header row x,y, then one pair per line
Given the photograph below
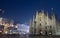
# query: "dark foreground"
x,y
29,36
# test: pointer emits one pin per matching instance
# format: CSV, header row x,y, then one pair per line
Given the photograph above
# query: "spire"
x,y
52,11
33,17
36,12
42,10
33,23
30,26
47,13
30,21
47,18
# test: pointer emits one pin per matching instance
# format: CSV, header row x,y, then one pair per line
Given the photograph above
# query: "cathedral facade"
x,y
43,24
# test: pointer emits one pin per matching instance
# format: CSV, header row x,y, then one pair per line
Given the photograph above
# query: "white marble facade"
x,y
43,24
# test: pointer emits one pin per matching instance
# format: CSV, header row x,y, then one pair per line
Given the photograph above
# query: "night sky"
x,y
21,11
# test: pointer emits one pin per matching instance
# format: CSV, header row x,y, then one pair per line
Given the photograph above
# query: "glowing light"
x,y
1,21
22,24
12,25
23,28
24,33
0,31
3,24
16,26
6,32
49,33
41,32
27,31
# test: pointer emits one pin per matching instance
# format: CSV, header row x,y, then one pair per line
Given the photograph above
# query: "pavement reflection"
x,y
29,36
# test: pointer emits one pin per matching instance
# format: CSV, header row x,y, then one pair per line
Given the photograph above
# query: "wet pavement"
x,y
29,36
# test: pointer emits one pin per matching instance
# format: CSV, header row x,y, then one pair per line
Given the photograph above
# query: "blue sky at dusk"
x,y
23,10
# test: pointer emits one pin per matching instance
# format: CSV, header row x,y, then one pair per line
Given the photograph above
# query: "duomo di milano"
x,y
44,24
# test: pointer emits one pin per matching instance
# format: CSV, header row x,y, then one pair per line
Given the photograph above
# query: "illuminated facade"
x,y
6,26
23,29
43,24
58,27
13,30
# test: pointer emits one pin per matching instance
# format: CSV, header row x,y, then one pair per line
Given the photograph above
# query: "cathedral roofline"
x,y
45,13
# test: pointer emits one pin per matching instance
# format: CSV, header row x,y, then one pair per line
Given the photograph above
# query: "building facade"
x,y
23,28
43,24
7,26
58,27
